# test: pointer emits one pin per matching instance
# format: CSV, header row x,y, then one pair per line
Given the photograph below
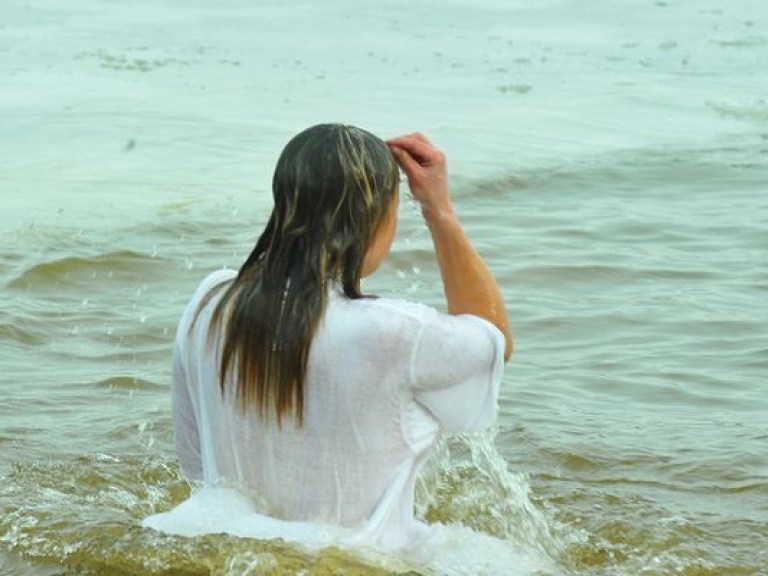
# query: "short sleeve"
x,y
457,368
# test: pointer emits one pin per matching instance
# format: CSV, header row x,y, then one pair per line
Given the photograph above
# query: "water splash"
x,y
85,512
468,483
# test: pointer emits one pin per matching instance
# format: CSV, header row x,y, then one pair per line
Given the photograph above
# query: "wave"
x,y
127,383
79,271
752,41
14,331
736,163
590,273
754,110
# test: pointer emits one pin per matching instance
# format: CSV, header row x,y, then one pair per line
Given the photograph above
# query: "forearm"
x,y
469,286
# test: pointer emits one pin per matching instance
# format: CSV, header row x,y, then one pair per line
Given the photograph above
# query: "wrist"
x,y
434,215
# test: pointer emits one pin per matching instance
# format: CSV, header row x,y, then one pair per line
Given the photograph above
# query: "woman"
x,y
318,401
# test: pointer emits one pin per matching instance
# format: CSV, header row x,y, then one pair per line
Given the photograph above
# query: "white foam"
x,y
218,509
448,550
522,542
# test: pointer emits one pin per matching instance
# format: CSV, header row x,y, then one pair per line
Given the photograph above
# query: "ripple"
x,y
514,88
23,334
131,62
77,271
743,42
127,383
591,273
755,110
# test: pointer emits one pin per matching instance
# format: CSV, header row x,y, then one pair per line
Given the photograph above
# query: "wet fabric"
x,y
384,378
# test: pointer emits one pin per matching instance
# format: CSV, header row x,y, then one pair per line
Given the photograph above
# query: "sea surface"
x,y
608,158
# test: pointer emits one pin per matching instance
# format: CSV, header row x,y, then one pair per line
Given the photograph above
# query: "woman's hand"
x,y
425,167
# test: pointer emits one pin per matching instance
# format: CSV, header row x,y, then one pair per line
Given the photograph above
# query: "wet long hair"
x,y
333,186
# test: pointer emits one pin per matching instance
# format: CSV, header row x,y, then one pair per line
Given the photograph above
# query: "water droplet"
x,y
143,319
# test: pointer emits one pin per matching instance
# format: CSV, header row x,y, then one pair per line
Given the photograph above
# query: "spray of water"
x,y
468,484
86,512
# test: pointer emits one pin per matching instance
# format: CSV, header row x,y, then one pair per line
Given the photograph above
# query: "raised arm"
x,y
469,286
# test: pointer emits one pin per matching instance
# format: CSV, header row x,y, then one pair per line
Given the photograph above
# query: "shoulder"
x,y
213,279
376,323
207,284
433,329
425,315
392,312
405,308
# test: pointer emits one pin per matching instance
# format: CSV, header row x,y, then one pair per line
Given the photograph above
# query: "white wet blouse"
x,y
384,377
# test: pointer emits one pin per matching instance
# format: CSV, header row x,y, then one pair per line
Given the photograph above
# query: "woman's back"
x,y
368,420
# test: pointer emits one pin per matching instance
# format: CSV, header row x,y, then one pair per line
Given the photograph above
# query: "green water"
x,y
610,161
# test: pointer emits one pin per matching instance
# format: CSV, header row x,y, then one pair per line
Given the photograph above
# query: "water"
x,y
609,160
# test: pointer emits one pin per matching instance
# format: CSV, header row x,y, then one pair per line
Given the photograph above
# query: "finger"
x,y
417,136
405,160
411,136
422,151
398,138
422,137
